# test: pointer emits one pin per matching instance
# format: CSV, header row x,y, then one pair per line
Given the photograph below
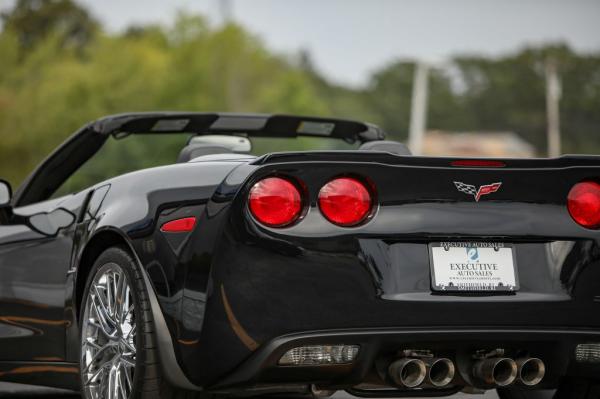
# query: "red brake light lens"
x,y
583,203
275,202
184,225
478,163
345,201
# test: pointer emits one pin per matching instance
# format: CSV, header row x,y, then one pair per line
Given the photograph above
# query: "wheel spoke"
x,y
102,310
121,291
102,324
127,377
112,384
116,281
101,369
94,376
132,332
128,345
122,390
94,390
97,356
90,342
109,293
103,298
127,306
124,321
127,362
100,328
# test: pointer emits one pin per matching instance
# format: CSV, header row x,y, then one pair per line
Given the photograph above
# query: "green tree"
x,y
33,20
509,94
54,89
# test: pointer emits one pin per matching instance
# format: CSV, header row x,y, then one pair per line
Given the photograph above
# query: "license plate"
x,y
473,266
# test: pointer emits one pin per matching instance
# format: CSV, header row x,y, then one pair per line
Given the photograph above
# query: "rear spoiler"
x,y
564,161
256,125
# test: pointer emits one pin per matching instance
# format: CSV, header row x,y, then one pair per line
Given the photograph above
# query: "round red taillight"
x,y
345,201
275,202
583,203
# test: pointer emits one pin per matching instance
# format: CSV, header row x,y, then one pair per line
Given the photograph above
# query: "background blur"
x,y
480,78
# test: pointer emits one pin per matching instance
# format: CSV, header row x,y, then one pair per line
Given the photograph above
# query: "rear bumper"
x,y
264,286
262,371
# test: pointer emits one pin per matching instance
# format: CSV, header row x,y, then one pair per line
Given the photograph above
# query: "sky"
x,y
349,39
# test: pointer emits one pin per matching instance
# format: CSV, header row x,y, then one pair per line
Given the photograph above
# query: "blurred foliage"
x,y
55,89
509,94
34,20
59,70
500,94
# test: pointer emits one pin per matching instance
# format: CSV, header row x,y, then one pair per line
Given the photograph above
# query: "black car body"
x,y
232,296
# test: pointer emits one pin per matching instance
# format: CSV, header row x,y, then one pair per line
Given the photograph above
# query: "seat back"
x,y
394,147
195,150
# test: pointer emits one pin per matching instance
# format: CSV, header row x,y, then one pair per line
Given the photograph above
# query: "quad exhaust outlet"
x,y
408,372
531,371
413,372
440,371
425,371
496,371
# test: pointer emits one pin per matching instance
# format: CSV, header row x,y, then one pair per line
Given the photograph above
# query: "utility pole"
x,y
418,108
553,94
225,8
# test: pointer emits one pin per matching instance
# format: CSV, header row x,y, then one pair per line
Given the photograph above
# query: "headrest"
x,y
394,147
195,150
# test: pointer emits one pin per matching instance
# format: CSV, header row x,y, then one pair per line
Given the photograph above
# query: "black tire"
x,y
147,381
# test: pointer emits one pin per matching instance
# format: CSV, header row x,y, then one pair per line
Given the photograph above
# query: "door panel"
x,y
33,274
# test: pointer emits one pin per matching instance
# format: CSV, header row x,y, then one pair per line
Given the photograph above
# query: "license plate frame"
x,y
473,275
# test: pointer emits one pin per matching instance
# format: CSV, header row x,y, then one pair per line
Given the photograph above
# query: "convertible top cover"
x,y
257,125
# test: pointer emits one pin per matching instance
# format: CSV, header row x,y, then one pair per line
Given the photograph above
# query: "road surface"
x,y
18,391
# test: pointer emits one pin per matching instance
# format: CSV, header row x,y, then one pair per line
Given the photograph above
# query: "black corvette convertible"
x,y
297,273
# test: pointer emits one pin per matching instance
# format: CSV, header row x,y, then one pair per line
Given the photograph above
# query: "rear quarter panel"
x,y
134,206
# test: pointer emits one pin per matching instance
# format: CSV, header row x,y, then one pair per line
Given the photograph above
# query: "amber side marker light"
x,y
184,225
583,203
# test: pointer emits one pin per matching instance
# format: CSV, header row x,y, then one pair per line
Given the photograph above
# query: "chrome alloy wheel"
x,y
108,350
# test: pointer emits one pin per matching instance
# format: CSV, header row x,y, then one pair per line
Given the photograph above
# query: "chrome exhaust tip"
x,y
440,371
531,371
408,372
496,371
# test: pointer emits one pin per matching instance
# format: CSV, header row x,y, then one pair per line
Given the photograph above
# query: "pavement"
x,y
19,391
